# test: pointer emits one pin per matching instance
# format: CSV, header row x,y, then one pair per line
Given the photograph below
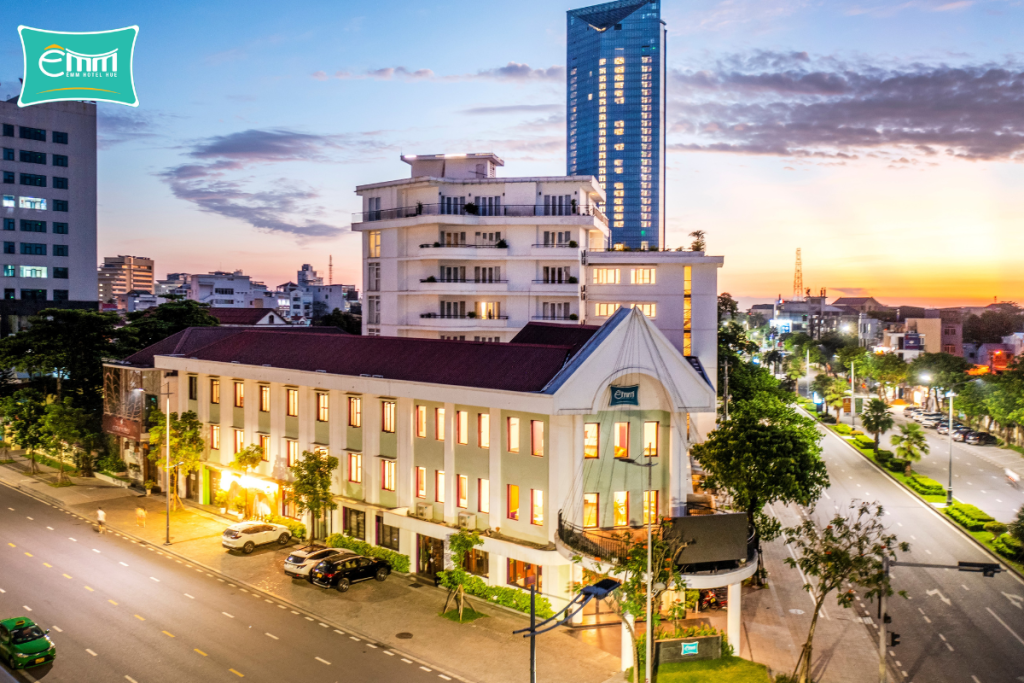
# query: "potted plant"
x,y
573,279
239,505
471,314
573,244
471,208
220,499
501,244
431,279
437,244
573,316
149,484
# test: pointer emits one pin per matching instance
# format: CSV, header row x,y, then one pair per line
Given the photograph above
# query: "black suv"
x,y
341,571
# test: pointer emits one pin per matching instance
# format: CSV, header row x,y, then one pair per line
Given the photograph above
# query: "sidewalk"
x,y
484,650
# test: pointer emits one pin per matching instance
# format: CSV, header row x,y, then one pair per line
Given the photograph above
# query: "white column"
x,y
680,478
627,643
404,468
449,463
734,612
497,497
575,575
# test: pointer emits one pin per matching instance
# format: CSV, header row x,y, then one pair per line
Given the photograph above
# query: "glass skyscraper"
x,y
615,113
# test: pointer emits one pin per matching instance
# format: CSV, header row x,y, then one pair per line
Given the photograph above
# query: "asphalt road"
x,y
954,626
120,611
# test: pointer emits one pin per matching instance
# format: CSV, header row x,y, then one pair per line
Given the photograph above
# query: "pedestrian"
x,y
101,517
140,516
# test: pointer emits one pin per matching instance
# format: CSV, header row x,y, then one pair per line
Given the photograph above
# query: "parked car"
x,y
980,439
341,571
301,562
925,417
943,427
960,433
245,536
910,411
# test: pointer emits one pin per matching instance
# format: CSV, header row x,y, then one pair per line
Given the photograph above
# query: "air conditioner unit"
x,y
467,520
425,511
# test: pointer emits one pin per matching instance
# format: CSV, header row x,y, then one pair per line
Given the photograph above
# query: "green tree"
x,y
1016,527
353,324
910,444
992,325
187,447
65,430
876,419
836,393
698,244
147,327
944,371
821,384
460,544
312,485
848,355
765,453
747,381
849,552
24,411
247,460
728,307
772,358
971,401
888,369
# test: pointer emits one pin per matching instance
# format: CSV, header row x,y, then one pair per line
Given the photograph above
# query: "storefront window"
x,y
477,562
355,523
387,536
524,574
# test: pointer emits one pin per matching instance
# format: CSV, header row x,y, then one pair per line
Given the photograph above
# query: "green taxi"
x,y
24,645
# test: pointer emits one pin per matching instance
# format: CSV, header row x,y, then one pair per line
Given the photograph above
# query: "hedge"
x,y
398,561
895,464
866,441
1009,547
507,596
842,429
968,516
925,485
298,529
826,418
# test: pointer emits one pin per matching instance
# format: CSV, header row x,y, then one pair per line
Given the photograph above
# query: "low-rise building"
x,y
228,290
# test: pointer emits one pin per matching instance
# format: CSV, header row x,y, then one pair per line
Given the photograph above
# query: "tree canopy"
x,y
24,411
187,446
312,484
992,325
344,321
147,327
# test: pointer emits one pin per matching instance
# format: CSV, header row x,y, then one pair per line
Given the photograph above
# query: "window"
x,y
60,205
483,430
10,271
33,295
620,508
387,536
373,277
513,435
650,310
590,510
949,348
9,224
60,250
33,157
948,331
9,247
387,475
215,437
439,424
524,574
8,177
605,310
33,271
421,421
462,426
9,156
322,407
355,522
513,502
26,133
33,180
355,411
389,417
483,495
293,403
60,183
61,295
373,244
355,468
265,447
536,507
60,138
8,130
214,391
60,273
9,294
264,398
239,441
606,276
591,440
439,486
642,276
292,452
463,492
193,388
477,562
8,201
621,434
239,394
421,482
650,507
58,160
33,249
537,437
60,228
651,439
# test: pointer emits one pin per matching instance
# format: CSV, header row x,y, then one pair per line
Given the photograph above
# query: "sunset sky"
x,y
885,139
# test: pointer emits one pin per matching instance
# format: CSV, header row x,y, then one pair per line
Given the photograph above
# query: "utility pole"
x,y
949,489
881,623
808,372
167,465
853,394
726,389
533,631
650,578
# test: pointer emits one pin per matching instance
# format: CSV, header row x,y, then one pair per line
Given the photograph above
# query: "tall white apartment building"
x,y
229,290
48,208
454,252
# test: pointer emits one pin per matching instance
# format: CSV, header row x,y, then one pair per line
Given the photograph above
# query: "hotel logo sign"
x,y
625,396
63,66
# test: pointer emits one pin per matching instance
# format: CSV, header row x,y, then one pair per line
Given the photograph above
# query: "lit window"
x,y
651,439
483,490
293,402
620,60
642,276
33,271
513,435
355,468
439,424
265,447
620,508
439,486
239,440
355,411
621,432
421,421
590,440
421,482
463,497
606,276
650,507
462,417
483,429
264,399
32,203
536,437
322,407
650,310
239,394
513,502
605,310
536,507
215,437
590,510
214,391
292,452
388,421
387,475
373,244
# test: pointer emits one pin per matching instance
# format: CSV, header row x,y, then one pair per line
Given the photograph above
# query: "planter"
x,y
687,649
223,511
149,492
116,481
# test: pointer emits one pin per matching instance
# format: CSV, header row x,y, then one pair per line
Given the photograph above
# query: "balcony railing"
x,y
465,245
602,544
506,210
564,245
459,316
462,280
564,318
549,281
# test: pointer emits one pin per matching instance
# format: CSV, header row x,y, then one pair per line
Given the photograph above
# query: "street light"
x,y
949,491
926,378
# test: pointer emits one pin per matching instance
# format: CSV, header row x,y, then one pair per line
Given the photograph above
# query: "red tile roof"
x,y
558,334
184,343
242,316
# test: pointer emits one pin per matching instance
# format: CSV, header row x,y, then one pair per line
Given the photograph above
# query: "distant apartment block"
x,y
308,297
123,274
230,290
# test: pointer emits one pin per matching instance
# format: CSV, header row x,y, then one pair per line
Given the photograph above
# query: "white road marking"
x,y
371,645
130,679
899,523
282,607
913,537
271,635
323,624
29,518
927,620
949,646
229,616
425,669
444,677
91,652
389,653
1015,599
189,596
826,495
406,661
936,591
928,551
942,637
322,661
1006,626
309,618
26,608
50,528
71,539
2,590
94,550
58,629
975,679
123,564
964,587
294,612
155,579
340,633
354,638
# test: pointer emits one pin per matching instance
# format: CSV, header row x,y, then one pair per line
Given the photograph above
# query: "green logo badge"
x,y
63,66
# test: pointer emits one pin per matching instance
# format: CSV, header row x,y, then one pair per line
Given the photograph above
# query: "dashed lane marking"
x,y
237,673
406,660
57,629
12,545
444,677
354,638
340,633
67,576
130,679
73,539
309,618
322,661
140,618
94,550
50,528
371,645
229,616
271,635
426,669
188,596
321,623
123,564
949,646
168,634
91,652
47,565
89,589
975,679
200,652
29,518
1006,626
389,653
155,579
112,602
26,608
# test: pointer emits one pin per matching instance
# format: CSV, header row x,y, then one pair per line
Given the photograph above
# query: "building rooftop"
x,y
241,316
573,336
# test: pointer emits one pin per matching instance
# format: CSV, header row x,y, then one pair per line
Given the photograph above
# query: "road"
x,y
121,610
954,626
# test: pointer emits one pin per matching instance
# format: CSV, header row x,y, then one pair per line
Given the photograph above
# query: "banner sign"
x,y
625,396
62,66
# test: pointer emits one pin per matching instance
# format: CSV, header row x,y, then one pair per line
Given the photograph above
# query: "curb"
x,y
254,589
998,558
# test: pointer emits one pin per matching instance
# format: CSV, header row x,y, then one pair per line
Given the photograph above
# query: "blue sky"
x,y
884,138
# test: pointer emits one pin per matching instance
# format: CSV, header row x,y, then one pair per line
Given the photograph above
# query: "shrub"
x,y
827,419
1009,547
297,529
842,429
220,499
865,441
995,528
398,561
507,596
925,485
895,464
968,516
856,432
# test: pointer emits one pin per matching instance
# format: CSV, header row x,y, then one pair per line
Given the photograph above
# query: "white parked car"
x,y
245,536
301,561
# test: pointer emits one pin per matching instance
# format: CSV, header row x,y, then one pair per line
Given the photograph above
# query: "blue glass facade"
x,y
615,113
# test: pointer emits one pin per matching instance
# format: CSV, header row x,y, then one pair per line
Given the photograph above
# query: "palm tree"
x,y
773,357
835,394
877,419
910,444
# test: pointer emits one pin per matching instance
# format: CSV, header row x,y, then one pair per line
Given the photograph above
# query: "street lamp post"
x,y
648,671
853,394
949,490
167,466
